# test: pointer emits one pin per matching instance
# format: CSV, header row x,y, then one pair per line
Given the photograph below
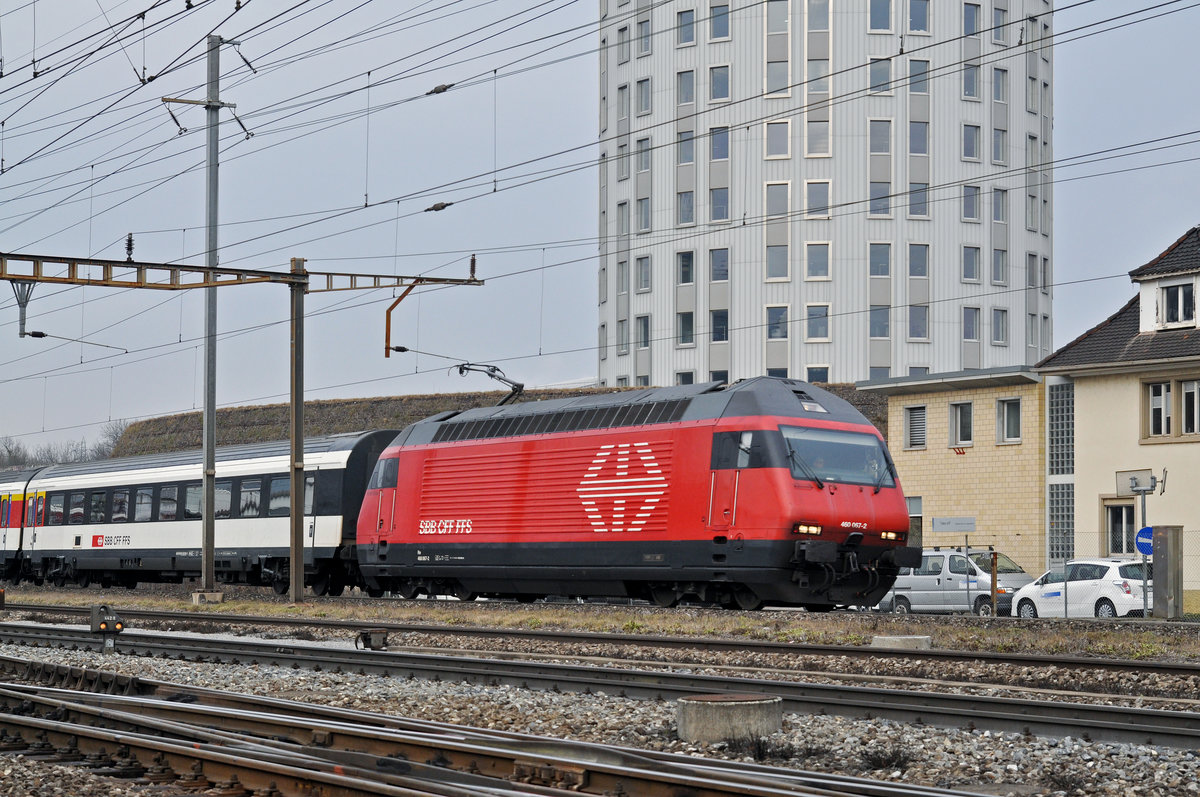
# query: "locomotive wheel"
x,y
280,587
85,579
664,596
745,599
321,584
60,581
337,588
374,592
406,591
462,593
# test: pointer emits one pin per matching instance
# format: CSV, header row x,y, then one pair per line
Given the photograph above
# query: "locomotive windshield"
x,y
831,455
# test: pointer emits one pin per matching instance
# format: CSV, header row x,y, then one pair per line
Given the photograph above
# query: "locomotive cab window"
x,y
758,448
834,455
385,474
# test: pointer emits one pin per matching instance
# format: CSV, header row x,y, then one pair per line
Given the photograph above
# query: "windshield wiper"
x,y
887,468
798,461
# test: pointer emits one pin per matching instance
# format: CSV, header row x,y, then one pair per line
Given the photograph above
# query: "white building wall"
x,y
849,291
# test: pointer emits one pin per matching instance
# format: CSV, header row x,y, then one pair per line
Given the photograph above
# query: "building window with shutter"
x,y
914,427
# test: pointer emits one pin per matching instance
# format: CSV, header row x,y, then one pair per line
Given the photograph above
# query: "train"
x,y
766,491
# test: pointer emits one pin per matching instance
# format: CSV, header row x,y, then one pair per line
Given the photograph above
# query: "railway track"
x,y
1039,717
1164,668
158,731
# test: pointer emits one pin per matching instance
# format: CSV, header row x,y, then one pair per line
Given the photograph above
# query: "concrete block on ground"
x,y
723,718
902,642
201,598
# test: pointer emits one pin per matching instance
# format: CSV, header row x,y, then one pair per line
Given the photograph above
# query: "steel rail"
x,y
359,743
1166,668
1038,717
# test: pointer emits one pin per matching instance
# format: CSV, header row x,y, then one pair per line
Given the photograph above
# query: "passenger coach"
x,y
770,490
124,521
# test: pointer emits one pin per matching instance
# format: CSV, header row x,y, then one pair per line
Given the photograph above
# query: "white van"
x,y
949,580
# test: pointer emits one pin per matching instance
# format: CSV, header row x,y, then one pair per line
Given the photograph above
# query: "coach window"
x,y
56,510
96,507
120,506
76,516
168,503
310,489
3,512
251,498
143,504
281,494
193,493
223,493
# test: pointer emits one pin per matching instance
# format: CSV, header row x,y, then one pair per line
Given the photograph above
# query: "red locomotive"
x,y
767,491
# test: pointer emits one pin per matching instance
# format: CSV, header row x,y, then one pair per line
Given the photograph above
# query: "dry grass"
x,y
1120,639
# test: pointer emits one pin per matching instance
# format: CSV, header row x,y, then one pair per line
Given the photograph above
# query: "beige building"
x,y
970,448
1134,387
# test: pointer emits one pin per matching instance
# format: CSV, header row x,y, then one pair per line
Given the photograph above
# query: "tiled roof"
x,y
1181,257
1116,340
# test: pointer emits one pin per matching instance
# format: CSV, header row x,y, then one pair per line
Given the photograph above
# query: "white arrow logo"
x,y
622,476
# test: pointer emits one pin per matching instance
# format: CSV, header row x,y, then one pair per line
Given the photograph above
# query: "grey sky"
x,y
75,184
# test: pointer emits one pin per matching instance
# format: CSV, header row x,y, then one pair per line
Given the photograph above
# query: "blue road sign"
x,y
1145,541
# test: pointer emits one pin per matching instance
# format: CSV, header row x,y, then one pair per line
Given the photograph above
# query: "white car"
x,y
1093,588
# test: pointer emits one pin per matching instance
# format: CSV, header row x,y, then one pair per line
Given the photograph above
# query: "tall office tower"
x,y
831,190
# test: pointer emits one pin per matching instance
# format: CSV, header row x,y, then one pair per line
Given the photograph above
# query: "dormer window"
x,y
1178,305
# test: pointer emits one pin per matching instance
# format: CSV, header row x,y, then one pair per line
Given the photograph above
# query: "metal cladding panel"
x,y
586,484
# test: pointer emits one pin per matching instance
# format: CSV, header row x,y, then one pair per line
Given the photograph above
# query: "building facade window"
x,y
685,268
817,261
918,260
970,142
622,45
685,27
1178,304
1190,399
1118,520
818,75
718,143
720,326
777,323
918,16
817,138
999,326
816,319
642,331
1000,84
880,74
970,323
685,329
643,214
970,81
778,77
918,138
721,376
685,207
914,427
970,19
818,14
880,16
961,430
685,377
643,37
718,83
970,203
718,204
777,262
918,199
777,140
718,265
817,196
918,77
818,373
641,267
643,154
999,266
880,321
999,145
777,16
644,96
718,22
1008,420
918,322
622,337
879,260
880,136
970,264
880,203
685,87
685,147
1159,406
999,205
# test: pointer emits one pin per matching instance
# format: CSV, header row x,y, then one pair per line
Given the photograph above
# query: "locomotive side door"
x,y
375,521
731,452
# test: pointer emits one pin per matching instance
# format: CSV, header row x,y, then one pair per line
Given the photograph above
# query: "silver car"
x,y
949,580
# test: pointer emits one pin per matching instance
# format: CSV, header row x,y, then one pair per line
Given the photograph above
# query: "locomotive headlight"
x,y
892,535
806,528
